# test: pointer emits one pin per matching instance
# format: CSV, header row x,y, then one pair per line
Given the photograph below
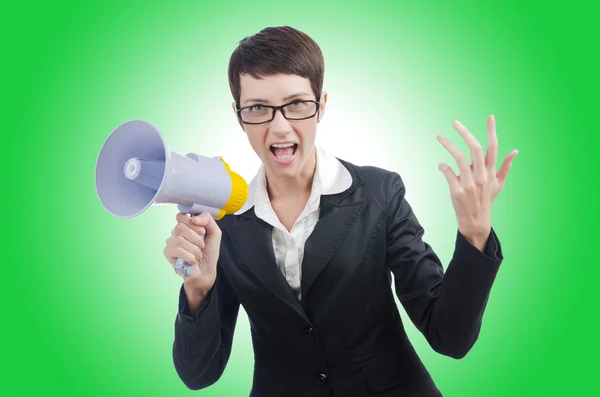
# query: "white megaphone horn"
x,y
135,169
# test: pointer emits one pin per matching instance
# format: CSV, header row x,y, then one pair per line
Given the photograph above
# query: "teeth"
x,y
282,144
286,157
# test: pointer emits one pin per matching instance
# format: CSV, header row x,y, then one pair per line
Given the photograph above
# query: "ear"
x,y
236,116
322,105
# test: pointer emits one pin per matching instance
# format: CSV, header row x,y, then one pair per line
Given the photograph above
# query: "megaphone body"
x,y
136,169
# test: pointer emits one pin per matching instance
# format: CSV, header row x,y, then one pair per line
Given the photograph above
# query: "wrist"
x,y
478,240
194,294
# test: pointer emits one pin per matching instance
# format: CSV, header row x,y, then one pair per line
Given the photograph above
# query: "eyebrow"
x,y
298,94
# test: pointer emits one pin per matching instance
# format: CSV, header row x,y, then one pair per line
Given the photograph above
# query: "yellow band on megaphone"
x,y
238,196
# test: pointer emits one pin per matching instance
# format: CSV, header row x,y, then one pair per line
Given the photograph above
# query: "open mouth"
x,y
284,152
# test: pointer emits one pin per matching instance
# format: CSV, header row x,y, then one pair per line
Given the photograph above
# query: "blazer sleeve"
x,y
446,308
203,340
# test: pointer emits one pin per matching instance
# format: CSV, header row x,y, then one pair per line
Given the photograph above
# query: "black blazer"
x,y
345,337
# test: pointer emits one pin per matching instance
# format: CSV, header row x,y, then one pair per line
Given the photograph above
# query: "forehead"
x,y
273,88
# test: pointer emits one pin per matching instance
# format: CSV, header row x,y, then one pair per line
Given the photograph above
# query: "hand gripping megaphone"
x,y
135,169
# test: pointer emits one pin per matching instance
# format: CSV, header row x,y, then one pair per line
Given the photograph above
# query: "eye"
x,y
256,108
296,104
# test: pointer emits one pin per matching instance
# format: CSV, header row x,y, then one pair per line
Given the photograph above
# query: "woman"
x,y
310,254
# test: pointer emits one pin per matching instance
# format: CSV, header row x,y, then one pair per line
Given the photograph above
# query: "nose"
x,y
280,125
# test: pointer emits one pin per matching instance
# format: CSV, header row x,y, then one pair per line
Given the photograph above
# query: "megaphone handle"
x,y
183,268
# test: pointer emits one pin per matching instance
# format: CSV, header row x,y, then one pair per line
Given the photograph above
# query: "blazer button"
x,y
323,380
309,333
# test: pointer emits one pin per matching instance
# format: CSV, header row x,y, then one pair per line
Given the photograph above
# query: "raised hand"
x,y
474,190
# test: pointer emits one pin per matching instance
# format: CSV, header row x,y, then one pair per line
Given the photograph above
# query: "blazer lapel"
x,y
254,243
337,213
335,222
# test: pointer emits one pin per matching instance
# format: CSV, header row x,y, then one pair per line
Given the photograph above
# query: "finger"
x,y
182,217
202,219
195,249
492,145
189,234
451,177
208,222
506,165
174,252
198,230
461,160
471,171
475,149
188,220
181,242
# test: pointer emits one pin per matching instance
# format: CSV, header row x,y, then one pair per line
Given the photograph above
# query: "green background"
x,y
89,301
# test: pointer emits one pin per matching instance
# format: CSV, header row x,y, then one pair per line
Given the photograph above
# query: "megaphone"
x,y
135,170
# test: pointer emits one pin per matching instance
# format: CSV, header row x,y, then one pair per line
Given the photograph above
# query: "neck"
x,y
292,189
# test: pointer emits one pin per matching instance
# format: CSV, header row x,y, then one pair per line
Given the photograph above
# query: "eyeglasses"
x,y
259,114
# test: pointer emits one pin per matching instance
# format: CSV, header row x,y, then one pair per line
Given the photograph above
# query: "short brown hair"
x,y
276,50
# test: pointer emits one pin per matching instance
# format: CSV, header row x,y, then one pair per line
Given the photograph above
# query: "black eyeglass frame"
x,y
275,108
